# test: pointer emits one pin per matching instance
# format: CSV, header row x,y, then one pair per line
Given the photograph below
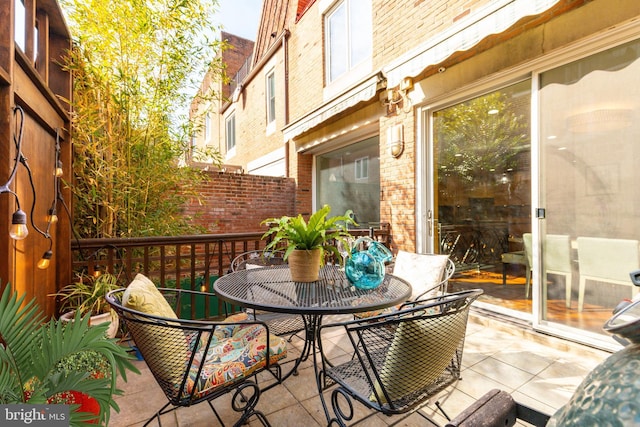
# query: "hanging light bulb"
x,y
52,217
18,230
59,170
97,272
45,260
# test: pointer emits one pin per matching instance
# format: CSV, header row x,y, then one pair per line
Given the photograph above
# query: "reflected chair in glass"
x,y
606,260
279,323
194,360
516,257
557,260
401,360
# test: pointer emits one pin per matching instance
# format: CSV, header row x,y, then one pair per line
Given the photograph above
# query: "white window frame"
x,y
270,98
355,70
207,127
230,137
361,168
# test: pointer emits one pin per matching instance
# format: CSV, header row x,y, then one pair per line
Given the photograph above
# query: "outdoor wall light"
x,y
395,140
398,97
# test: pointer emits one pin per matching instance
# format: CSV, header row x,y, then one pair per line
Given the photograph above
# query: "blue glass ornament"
x,y
364,271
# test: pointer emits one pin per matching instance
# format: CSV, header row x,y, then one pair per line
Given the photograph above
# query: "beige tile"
x,y
475,384
452,400
552,392
293,416
503,373
539,370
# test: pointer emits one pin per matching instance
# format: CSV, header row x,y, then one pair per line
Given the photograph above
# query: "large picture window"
x,y
349,178
348,36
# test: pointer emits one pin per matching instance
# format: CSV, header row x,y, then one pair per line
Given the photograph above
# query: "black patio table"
x,y
271,289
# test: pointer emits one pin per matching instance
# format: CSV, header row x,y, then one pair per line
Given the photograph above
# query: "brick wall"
x,y
235,57
400,26
234,203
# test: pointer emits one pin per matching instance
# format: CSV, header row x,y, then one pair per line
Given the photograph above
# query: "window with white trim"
x,y
271,96
230,134
348,37
362,168
207,127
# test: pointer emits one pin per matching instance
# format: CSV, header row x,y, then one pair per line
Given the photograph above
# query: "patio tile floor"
x,y
538,370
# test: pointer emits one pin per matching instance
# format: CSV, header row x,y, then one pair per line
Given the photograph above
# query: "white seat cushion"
x,y
422,271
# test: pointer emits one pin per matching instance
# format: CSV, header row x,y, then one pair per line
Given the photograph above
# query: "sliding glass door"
x,y
590,150
482,175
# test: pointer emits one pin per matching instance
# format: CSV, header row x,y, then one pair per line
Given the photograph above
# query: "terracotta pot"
x,y
96,320
304,264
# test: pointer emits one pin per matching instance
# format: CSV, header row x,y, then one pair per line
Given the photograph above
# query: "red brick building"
x,y
473,127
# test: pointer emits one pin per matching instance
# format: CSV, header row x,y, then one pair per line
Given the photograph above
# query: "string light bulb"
x,y
59,171
19,230
45,260
52,217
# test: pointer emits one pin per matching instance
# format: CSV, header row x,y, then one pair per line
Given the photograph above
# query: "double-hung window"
x,y
207,127
271,97
231,132
348,37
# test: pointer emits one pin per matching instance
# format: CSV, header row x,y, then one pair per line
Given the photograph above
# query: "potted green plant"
x,y
305,242
87,296
58,362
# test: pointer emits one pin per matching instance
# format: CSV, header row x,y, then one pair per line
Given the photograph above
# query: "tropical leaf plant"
x,y
32,352
87,294
319,232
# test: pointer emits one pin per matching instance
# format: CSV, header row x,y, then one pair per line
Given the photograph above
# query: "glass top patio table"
x,y
271,289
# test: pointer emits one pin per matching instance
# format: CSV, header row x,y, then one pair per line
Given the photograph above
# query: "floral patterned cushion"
x,y
233,358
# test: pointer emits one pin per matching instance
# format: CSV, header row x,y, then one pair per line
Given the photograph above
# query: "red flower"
x,y
86,402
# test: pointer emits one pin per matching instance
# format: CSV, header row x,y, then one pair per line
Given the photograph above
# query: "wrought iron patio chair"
x,y
428,275
401,359
257,258
279,323
195,360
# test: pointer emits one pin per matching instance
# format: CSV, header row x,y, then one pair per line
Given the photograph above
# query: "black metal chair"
x,y
401,359
428,275
257,258
279,323
197,360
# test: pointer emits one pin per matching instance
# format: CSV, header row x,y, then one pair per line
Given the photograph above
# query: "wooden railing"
x,y
193,262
